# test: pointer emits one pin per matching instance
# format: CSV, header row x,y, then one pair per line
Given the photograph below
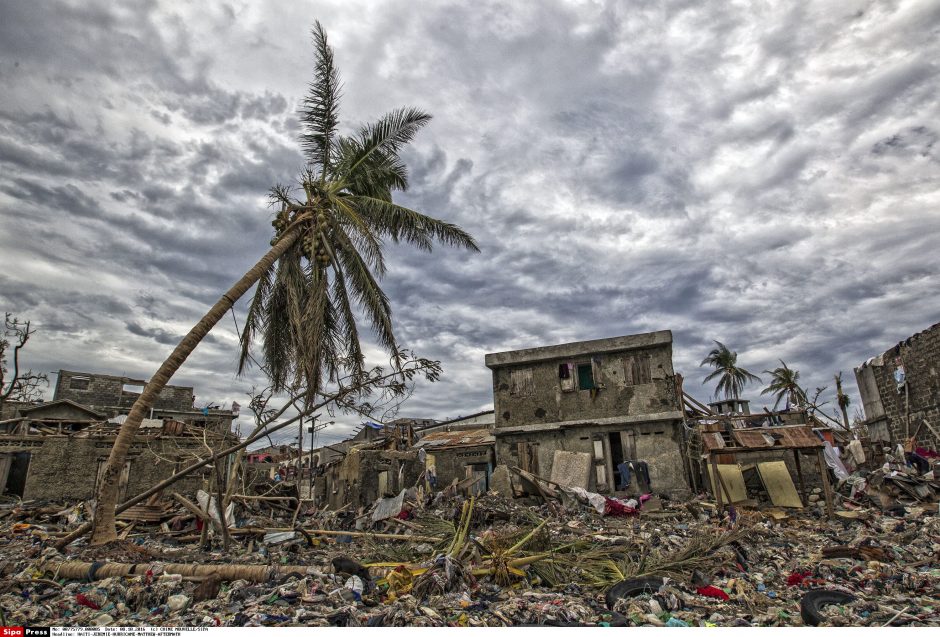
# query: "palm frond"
x,y
369,295
402,224
319,113
386,136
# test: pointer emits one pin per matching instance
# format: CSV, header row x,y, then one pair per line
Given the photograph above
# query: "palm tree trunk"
x,y
106,498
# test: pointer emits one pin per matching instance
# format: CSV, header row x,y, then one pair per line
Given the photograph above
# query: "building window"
x,y
636,370
566,376
520,382
132,388
79,382
586,376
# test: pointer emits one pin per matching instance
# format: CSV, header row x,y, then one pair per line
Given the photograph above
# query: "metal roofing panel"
x,y
459,438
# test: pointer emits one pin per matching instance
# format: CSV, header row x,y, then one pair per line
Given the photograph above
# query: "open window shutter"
x,y
628,371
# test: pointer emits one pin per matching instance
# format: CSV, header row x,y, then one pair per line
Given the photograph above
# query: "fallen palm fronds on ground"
x,y
600,566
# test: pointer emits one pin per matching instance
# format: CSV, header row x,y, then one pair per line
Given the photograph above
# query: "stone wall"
x,y
919,401
66,468
106,393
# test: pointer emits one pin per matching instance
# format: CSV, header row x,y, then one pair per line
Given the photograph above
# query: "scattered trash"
x,y
484,561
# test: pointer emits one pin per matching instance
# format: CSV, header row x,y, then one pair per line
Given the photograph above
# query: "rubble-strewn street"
x,y
488,561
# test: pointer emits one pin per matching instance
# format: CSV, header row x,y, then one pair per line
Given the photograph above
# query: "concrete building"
x,y
57,450
459,454
114,396
900,391
608,401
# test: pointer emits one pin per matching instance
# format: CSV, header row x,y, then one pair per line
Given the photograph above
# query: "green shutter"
x,y
585,376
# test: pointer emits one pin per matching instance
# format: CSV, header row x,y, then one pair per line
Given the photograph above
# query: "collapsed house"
x,y
900,391
57,450
582,414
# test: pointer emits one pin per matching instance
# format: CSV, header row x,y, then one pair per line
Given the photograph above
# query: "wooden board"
x,y
733,479
571,469
779,484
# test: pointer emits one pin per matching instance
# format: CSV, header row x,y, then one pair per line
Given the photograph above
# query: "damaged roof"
x,y
460,438
786,437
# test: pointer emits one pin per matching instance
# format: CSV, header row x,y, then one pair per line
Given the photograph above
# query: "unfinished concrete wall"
x,y
918,401
66,468
107,393
608,378
364,475
659,444
451,464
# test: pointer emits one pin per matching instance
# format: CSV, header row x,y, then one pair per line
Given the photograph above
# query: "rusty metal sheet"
x,y
754,438
462,438
799,436
712,441
786,437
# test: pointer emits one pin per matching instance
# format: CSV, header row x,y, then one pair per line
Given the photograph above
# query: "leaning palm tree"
x,y
732,379
326,252
784,385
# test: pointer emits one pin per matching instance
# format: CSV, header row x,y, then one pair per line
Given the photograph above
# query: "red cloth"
x,y
796,577
712,591
617,509
84,601
926,453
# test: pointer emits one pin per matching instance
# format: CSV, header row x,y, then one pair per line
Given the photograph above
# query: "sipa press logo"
x,y
36,632
11,631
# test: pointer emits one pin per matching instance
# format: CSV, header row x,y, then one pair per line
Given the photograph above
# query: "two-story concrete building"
x,y
609,400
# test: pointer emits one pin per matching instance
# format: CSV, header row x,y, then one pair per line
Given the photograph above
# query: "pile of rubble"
x,y
488,561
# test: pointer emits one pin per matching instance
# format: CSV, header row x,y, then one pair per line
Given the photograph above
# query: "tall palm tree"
x,y
732,379
784,384
327,250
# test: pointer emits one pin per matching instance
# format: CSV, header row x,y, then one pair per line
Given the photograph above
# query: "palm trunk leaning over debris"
x,y
104,529
414,366
176,477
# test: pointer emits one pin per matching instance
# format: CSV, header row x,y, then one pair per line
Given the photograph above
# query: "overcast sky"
x,y
764,174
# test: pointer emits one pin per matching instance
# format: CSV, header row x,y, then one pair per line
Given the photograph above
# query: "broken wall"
x,y
918,401
451,464
64,468
659,444
364,475
102,391
635,382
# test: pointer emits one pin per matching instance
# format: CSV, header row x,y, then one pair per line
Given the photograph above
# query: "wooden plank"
x,y
779,484
733,479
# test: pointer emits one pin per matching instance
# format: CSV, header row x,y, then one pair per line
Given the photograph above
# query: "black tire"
x,y
815,600
631,588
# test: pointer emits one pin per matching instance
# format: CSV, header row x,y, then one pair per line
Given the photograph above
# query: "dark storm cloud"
x,y
765,178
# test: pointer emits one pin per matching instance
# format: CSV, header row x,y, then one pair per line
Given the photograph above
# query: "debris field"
x,y
447,560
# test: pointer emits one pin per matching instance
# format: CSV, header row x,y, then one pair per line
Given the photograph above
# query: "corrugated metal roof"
x,y
460,438
786,437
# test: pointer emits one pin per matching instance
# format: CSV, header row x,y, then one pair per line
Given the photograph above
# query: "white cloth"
x,y
857,452
832,459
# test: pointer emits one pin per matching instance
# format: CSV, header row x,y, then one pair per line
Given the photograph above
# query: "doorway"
x,y
14,468
616,457
480,472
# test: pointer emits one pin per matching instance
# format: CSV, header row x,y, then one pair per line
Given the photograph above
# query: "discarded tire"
x,y
815,600
631,588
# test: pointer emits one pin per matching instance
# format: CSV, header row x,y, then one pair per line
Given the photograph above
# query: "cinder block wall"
x,y
103,391
920,355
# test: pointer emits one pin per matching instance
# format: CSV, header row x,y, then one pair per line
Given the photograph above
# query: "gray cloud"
x,y
764,178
